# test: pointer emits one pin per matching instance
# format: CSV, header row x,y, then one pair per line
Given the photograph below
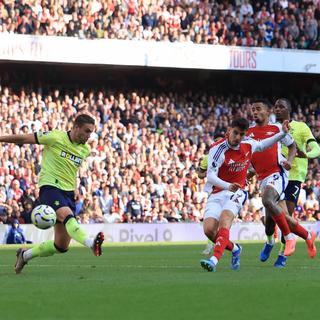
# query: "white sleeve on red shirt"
x,y
258,146
215,161
287,140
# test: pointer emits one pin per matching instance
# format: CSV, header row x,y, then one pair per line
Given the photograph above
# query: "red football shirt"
x,y
268,162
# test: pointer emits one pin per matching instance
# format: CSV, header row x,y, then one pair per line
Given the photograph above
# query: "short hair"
x,y
288,103
264,101
218,135
82,119
240,123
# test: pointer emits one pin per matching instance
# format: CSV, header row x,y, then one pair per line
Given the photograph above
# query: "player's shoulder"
x,y
247,140
274,126
87,148
218,147
51,133
299,125
220,142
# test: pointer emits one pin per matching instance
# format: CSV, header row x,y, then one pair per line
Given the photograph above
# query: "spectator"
x,y
15,234
207,22
134,207
133,170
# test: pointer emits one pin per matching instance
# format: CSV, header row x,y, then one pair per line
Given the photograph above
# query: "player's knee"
x,y
209,233
268,202
291,222
61,249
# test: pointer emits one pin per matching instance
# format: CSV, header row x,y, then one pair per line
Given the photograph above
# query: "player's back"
x,y
268,161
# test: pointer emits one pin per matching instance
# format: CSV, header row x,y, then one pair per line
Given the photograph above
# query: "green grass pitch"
x,y
158,282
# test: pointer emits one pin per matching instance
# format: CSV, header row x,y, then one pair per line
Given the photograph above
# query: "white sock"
x,y
214,260
270,240
290,236
27,255
88,242
235,248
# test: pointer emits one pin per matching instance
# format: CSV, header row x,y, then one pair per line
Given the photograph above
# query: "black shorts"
x,y
292,191
57,198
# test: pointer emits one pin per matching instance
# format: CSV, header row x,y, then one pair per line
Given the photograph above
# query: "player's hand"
x,y
287,165
301,154
285,126
234,187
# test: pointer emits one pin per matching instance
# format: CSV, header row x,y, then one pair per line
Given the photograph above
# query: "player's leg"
x,y
269,224
291,196
60,244
222,240
210,228
269,231
232,203
270,198
208,249
64,205
77,233
212,215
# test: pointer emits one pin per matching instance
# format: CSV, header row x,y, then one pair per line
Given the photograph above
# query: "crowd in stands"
x,y
144,154
288,24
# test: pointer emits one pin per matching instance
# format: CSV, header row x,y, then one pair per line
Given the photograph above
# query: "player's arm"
x,y
314,151
292,151
311,143
250,174
19,138
258,146
212,173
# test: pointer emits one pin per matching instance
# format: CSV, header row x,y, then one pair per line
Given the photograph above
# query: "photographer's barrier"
x,y
170,232
14,47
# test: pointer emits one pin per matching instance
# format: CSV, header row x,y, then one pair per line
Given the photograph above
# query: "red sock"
x,y
276,233
300,231
280,220
221,242
229,245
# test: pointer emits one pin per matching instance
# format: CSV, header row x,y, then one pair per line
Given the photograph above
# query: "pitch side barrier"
x,y
168,232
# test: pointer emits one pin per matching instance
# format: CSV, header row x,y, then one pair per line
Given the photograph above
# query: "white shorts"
x,y
225,200
278,181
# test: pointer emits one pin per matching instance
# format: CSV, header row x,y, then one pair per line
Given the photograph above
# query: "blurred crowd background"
x,y
144,154
151,136
282,24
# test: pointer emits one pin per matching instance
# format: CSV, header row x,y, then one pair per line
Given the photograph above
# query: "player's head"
x,y
237,131
282,109
261,111
83,126
218,135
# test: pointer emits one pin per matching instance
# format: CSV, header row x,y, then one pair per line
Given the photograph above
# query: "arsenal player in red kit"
x,y
273,177
228,163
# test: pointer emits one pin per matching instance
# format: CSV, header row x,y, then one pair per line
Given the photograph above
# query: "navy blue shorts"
x,y
57,198
292,191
